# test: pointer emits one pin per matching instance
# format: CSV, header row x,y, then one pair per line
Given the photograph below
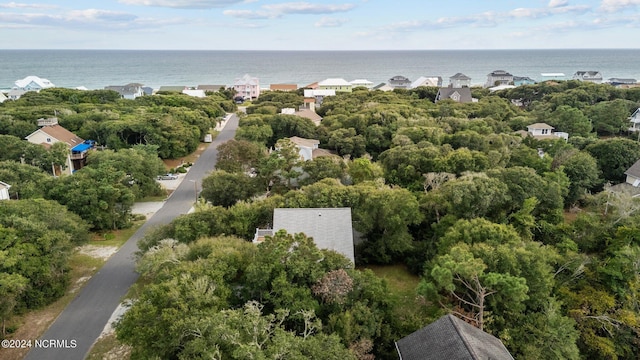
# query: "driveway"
x,y
79,325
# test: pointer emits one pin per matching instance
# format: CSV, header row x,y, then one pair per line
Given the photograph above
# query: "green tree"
x,y
140,163
101,196
362,169
225,189
571,120
239,156
614,157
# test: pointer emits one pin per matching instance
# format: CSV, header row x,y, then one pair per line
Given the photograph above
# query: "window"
x,y
48,139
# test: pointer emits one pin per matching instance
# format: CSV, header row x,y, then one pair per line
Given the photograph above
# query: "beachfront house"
x,y
382,87
129,91
330,228
451,338
199,93
634,119
542,131
620,82
498,77
247,86
459,80
430,81
336,84
15,94
399,82
33,83
362,83
3,97
210,88
4,191
50,132
317,95
588,76
283,87
461,95
523,80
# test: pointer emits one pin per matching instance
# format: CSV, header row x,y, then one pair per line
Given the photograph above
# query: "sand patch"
x,y
98,252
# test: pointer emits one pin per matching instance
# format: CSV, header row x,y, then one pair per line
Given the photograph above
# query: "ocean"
x,y
95,69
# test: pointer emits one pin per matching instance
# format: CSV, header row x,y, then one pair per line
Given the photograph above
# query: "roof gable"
x,y
451,338
634,170
61,134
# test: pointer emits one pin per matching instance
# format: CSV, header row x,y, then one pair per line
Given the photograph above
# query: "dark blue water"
x,y
95,69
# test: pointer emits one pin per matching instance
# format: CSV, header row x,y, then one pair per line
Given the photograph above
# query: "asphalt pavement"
x,y
73,333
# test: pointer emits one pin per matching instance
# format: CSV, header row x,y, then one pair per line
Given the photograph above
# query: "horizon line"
x,y
312,50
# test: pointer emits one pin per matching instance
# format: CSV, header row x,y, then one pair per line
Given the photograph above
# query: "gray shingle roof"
x,y
634,170
460,76
330,228
447,92
452,339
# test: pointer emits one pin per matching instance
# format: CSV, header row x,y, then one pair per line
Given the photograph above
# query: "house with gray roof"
x,y
459,80
634,119
129,91
452,339
461,95
399,82
621,81
523,80
498,77
330,228
588,76
633,174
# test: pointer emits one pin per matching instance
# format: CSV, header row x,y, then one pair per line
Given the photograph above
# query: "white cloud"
x,y
14,5
250,14
308,8
89,15
557,3
183,4
330,22
278,10
615,5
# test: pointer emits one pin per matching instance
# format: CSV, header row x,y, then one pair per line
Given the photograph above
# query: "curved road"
x,y
85,317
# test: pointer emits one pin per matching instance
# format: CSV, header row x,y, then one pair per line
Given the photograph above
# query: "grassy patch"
x,y
108,347
156,198
412,310
114,237
33,324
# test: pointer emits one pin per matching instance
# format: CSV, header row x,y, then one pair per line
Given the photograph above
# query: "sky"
x,y
319,24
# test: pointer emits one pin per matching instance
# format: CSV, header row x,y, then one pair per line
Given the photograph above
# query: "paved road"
x,y
85,317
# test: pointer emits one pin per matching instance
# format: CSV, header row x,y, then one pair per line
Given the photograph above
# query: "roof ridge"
x,y
462,336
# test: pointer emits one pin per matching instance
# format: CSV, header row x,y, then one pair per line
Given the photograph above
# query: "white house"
x,y
498,77
129,91
15,94
459,80
633,174
3,97
33,83
305,146
589,76
432,81
543,131
337,84
330,228
317,95
199,93
634,119
362,83
4,191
